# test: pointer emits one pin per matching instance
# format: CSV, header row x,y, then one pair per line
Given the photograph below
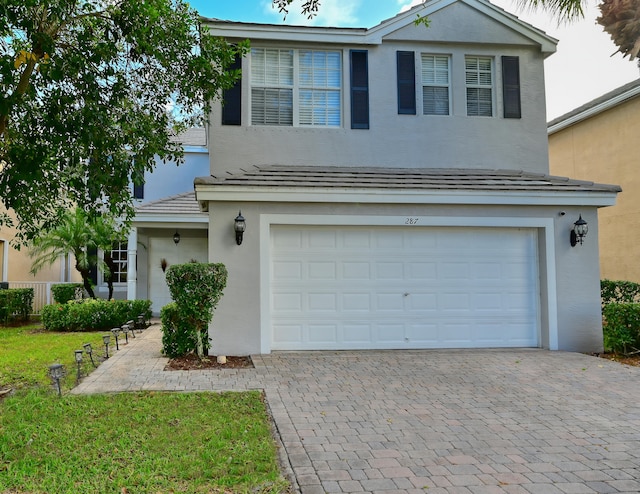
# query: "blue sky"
x,y
582,69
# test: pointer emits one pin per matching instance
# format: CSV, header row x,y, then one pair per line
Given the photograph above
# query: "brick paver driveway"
x,y
473,421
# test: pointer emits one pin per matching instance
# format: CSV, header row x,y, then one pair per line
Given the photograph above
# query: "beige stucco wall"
x,y
604,149
19,262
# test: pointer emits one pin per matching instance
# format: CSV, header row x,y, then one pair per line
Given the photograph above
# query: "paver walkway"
x,y
476,421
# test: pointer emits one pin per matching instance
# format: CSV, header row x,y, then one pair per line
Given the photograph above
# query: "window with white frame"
x,y
435,84
479,84
116,260
296,87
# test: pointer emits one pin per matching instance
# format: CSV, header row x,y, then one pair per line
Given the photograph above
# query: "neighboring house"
x,y
598,141
396,190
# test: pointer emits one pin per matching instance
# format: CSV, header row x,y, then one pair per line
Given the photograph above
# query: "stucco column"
x,y
132,274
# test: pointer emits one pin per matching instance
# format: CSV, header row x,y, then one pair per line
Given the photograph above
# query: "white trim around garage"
x,y
545,224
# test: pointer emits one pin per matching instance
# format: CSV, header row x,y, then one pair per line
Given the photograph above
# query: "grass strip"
x,y
137,443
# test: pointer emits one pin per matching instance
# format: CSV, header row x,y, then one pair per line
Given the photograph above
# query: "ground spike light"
x,y
56,371
89,351
78,357
116,333
125,330
106,339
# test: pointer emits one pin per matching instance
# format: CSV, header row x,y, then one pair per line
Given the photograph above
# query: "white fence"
x,y
41,292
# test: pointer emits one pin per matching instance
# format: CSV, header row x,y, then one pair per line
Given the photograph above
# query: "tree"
x,y
91,92
619,18
81,234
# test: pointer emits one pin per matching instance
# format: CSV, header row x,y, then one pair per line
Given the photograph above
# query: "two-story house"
x,y
395,190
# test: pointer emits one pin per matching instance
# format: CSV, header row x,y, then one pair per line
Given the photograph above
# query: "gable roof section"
x,y
401,185
594,107
376,34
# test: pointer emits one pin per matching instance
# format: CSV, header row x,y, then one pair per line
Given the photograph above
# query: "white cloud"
x,y
407,5
331,13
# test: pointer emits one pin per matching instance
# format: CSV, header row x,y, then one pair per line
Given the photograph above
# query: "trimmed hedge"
x,y
93,314
619,292
64,292
196,289
16,303
621,328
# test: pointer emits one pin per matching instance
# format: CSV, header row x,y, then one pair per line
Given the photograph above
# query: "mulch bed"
x,y
192,362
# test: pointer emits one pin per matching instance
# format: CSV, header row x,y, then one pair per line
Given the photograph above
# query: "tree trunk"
x,y
86,281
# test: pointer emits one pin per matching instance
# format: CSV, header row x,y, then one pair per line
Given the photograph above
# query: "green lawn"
x,y
126,443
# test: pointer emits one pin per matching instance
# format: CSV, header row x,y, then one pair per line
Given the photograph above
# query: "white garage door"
x,y
389,287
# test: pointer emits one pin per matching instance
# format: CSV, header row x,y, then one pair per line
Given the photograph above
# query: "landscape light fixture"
x,y
106,339
89,351
176,238
56,371
125,330
116,333
579,232
78,357
239,226
132,327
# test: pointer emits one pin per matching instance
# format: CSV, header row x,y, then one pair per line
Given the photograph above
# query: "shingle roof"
x,y
402,178
179,204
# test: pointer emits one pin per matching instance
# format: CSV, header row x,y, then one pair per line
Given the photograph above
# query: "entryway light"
x,y
579,232
176,238
239,227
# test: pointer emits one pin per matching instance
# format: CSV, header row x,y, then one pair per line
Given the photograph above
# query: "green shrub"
x,y
16,303
619,292
64,292
621,328
196,289
177,337
93,314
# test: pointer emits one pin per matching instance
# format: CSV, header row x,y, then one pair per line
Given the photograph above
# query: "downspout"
x,y
132,253
5,260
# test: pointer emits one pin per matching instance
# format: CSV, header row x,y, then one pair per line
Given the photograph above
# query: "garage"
x,y
366,287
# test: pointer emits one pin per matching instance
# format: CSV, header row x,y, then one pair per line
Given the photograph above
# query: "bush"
x,y
619,292
621,327
16,303
196,289
93,314
64,292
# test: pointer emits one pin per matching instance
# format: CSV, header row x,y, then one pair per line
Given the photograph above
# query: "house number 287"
x,y
411,221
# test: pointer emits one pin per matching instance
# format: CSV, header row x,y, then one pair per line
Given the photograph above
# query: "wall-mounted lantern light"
x,y
176,238
239,227
579,232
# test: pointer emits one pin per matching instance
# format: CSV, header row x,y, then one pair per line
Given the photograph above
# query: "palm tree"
x,y
80,234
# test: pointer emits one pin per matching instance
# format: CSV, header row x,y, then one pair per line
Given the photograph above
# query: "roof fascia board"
x,y
404,196
272,32
594,110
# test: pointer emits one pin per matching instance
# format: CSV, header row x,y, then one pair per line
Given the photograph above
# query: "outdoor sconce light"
x,y
78,356
239,225
176,238
116,333
106,339
579,232
56,371
89,351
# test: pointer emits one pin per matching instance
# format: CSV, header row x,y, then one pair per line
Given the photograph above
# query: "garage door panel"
x,y
361,287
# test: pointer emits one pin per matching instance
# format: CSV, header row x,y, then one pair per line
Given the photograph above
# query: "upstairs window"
x,y
296,87
479,84
436,84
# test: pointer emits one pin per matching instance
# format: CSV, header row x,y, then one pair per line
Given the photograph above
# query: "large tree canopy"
x,y
91,91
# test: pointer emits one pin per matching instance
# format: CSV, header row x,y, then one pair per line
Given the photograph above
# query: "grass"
x,y
124,443
26,353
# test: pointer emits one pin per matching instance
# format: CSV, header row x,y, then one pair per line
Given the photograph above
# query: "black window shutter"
x,y
232,98
359,89
511,87
138,191
406,83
